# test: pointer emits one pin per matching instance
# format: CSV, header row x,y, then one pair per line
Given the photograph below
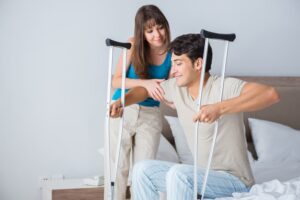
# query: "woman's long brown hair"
x,y
147,16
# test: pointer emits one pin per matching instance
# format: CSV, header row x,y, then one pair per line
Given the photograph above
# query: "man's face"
x,y
184,70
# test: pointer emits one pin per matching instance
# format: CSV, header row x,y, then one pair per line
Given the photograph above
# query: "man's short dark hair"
x,y
193,46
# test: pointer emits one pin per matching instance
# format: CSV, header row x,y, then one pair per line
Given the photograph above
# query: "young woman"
x,y
148,64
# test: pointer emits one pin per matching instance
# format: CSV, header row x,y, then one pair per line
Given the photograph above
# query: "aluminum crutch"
x,y
124,47
208,35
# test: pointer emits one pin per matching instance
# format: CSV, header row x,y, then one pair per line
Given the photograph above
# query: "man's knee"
x,y
177,173
140,169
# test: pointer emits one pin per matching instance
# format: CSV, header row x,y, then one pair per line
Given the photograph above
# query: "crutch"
x,y
227,38
124,47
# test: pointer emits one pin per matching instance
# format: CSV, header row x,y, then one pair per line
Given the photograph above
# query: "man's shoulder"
x,y
227,78
228,81
170,87
232,86
169,83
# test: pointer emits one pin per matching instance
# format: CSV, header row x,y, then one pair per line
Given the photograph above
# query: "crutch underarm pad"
x,y
110,42
211,35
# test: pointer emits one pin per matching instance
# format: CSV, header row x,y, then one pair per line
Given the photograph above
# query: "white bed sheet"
x,y
274,181
271,190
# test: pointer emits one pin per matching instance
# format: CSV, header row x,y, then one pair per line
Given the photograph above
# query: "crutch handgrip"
x,y
211,35
110,42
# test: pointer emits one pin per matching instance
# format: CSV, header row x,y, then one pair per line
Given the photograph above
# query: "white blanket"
x,y
271,190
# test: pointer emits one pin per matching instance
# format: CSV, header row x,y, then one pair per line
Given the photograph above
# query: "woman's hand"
x,y
116,109
208,113
154,89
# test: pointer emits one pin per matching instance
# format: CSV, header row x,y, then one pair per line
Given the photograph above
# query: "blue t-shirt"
x,y
154,72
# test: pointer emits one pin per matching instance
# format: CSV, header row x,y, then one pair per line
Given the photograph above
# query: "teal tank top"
x,y
154,72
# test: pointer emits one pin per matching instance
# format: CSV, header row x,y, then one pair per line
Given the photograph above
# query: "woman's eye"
x,y
178,64
149,31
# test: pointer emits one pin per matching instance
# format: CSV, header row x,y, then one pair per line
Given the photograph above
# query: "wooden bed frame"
x,y
287,111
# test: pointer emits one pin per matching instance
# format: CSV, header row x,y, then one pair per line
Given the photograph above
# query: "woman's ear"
x,y
198,64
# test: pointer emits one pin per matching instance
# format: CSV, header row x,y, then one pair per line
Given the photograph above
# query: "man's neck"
x,y
193,89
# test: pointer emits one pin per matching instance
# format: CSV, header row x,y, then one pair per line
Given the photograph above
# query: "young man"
x,y
231,170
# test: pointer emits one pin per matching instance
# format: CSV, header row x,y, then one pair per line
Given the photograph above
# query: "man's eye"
x,y
178,64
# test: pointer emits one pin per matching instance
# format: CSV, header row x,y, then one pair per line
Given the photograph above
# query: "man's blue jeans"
x,y
152,176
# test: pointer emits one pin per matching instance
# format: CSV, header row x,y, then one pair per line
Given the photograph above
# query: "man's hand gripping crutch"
x,y
112,179
214,113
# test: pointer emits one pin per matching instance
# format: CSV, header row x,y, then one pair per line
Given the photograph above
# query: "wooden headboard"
x,y
287,111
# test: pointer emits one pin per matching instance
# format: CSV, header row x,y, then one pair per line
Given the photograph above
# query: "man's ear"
x,y
198,64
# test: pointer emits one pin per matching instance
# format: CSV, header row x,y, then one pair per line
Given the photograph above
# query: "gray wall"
x,y
53,65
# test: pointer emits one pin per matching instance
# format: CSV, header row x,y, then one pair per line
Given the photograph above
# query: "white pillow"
x,y
166,151
275,142
182,148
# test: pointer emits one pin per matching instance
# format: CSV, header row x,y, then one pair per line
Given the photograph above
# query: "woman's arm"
x,y
134,95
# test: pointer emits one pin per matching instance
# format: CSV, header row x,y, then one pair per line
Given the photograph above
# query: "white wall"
x,y
53,65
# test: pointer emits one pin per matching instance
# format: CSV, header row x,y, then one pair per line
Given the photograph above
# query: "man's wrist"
x,y
222,108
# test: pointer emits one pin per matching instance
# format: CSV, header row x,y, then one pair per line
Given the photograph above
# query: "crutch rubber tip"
x,y
112,183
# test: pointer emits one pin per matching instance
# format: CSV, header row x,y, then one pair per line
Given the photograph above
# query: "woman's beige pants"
x,y
142,127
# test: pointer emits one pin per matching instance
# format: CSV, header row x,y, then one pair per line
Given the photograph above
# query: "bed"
x,y
273,139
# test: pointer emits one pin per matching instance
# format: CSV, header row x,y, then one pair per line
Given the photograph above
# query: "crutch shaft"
x,y
197,123
122,117
124,46
216,123
107,124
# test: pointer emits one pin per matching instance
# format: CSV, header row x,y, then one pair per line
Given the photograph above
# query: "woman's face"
x,y
155,35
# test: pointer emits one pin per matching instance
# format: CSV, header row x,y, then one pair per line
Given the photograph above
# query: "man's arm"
x,y
253,97
134,95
